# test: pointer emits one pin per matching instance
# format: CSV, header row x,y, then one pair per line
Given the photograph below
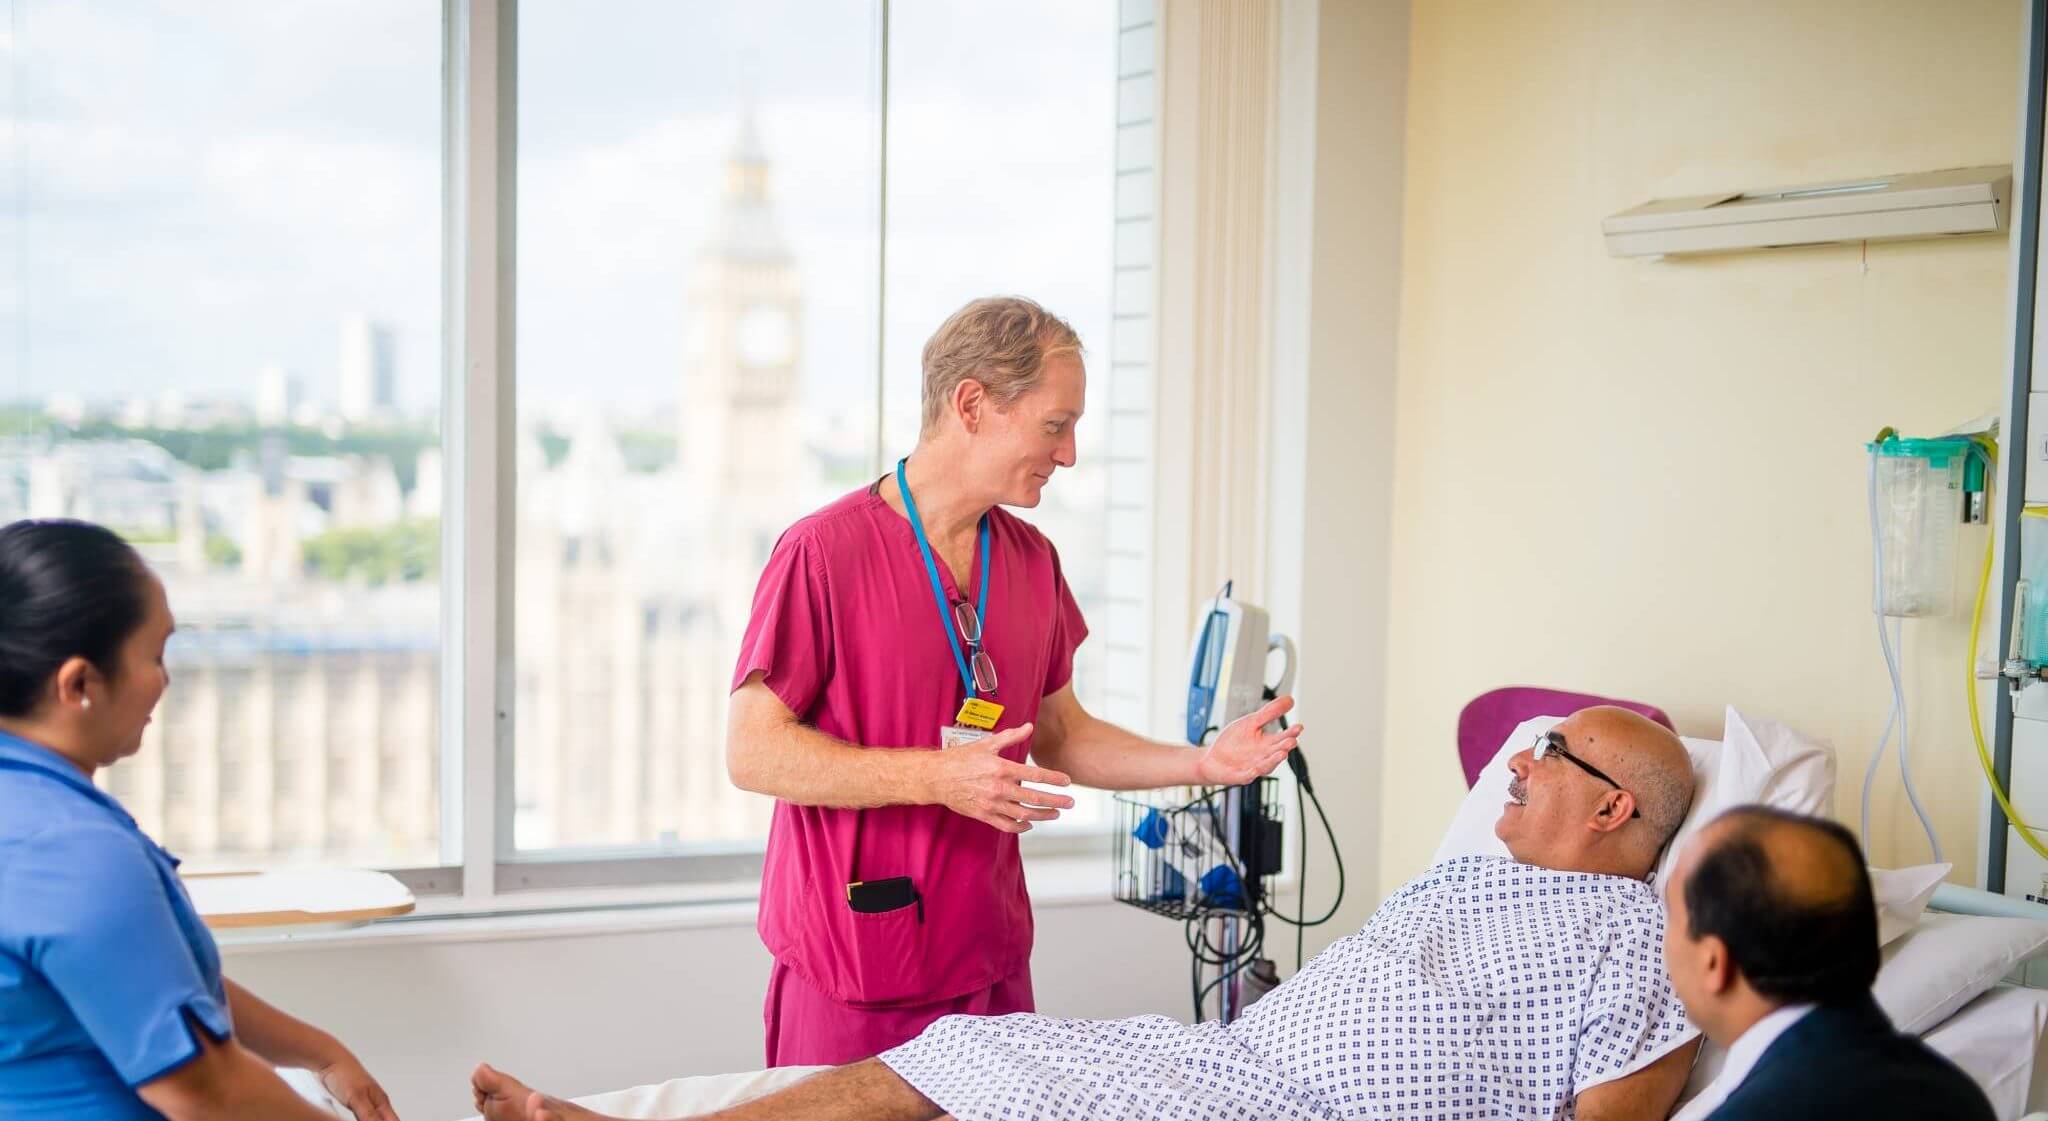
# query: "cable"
x,y
1298,763
1204,952
1884,740
1301,827
1195,928
1336,854
1893,656
1243,962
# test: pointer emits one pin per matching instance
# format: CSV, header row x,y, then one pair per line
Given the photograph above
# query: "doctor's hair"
x,y
1003,342
1790,897
68,589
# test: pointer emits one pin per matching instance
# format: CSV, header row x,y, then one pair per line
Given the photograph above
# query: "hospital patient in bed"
x,y
1486,987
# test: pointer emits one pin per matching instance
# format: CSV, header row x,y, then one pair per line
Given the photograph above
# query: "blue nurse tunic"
x,y
106,972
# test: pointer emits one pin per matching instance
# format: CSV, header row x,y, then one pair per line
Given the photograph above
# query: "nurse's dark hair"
x,y
1790,897
67,590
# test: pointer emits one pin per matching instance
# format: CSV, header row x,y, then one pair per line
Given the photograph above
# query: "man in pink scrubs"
x,y
910,646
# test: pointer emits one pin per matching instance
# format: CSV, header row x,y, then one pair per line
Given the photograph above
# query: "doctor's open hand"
x,y
974,780
1241,752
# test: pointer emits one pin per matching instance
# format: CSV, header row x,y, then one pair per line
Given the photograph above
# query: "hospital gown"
x,y
1482,989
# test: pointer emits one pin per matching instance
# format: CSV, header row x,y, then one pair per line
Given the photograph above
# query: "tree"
x,y
407,552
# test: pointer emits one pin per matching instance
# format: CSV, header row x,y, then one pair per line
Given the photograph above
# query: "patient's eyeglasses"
x,y
984,669
1552,743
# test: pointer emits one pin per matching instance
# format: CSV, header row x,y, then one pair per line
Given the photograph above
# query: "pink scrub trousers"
x,y
808,1028
846,631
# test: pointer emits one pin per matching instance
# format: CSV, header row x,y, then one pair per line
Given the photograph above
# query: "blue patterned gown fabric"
x,y
1482,989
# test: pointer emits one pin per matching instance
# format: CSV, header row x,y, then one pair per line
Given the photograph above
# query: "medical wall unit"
x,y
2016,762
1970,200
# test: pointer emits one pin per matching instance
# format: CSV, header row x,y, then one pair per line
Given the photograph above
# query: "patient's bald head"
x,y
1652,764
1609,793
1786,900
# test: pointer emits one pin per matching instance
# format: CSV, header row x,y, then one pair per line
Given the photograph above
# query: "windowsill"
x,y
1067,880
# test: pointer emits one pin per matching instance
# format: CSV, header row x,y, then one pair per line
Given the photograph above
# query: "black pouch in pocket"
x,y
875,897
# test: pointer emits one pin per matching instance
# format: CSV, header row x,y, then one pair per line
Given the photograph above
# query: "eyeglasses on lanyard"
x,y
983,667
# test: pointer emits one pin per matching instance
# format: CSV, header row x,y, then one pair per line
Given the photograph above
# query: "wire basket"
x,y
1172,856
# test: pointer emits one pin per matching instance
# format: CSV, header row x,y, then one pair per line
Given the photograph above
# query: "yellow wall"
x,y
1645,478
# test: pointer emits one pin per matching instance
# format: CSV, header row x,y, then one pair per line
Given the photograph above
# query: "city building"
x,y
369,379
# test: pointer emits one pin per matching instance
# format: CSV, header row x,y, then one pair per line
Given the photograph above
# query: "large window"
x,y
222,330
673,263
697,294
1001,180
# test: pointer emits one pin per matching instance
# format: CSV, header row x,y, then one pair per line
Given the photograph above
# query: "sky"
x,y
193,192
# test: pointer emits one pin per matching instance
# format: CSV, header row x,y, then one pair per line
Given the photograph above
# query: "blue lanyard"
x,y
931,569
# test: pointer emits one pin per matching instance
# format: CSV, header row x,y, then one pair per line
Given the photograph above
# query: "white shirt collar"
x,y
1742,1058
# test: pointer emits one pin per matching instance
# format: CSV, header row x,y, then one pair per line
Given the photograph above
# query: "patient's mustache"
x,y
1518,790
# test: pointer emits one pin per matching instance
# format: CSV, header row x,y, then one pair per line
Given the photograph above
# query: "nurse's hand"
x,y
352,1086
976,781
1241,752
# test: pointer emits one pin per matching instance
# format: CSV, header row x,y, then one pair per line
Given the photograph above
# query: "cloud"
x,y
194,214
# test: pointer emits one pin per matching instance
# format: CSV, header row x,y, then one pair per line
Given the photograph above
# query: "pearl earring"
x,y
85,702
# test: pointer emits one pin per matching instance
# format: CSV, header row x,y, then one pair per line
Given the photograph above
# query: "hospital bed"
x,y
1995,1032
1964,969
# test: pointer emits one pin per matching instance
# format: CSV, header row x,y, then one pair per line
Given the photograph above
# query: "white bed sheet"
x,y
688,1097
1996,1039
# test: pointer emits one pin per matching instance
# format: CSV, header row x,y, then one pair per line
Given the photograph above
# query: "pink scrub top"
x,y
847,632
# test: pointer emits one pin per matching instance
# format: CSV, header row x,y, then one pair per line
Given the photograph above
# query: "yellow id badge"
x,y
977,713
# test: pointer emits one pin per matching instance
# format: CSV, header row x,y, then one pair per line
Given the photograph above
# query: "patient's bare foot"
x,y
501,1097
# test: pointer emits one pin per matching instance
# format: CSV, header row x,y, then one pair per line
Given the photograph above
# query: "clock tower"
x,y
740,444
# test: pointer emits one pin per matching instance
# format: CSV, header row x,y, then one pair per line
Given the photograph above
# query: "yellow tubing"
x,y
1976,720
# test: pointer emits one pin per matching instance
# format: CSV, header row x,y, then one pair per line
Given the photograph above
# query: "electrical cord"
x,y
1303,786
1237,964
1202,950
1301,829
1884,738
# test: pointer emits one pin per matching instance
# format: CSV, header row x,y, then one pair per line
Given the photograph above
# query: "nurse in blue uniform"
x,y
112,1003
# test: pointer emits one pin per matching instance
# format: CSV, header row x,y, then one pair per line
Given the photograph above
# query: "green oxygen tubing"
x,y
2026,831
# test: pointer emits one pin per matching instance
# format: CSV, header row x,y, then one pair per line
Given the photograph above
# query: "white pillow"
x,y
1902,895
1994,1039
1802,769
1949,960
1756,761
1733,772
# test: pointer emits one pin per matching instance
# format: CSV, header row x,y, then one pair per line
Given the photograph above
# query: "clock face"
x,y
766,337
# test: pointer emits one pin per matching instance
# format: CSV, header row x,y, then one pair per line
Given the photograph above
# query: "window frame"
x,y
480,868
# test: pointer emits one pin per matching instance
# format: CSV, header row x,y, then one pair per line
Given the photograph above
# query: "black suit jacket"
x,y
1847,1061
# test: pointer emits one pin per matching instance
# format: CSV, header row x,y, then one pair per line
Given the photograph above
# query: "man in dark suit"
x,y
1772,943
